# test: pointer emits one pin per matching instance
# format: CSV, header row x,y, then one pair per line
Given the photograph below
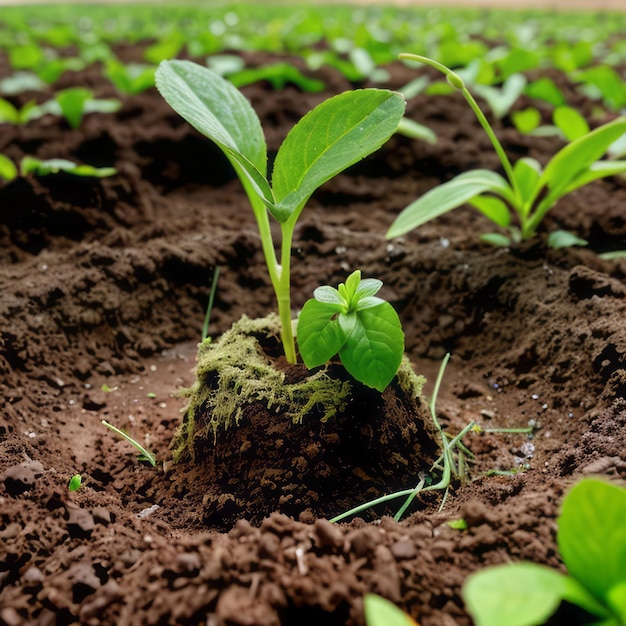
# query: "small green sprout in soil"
x,y
39,167
592,543
381,612
336,134
75,483
455,458
354,323
144,455
530,191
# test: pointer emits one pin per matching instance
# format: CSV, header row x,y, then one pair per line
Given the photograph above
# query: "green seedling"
x,y
31,165
592,541
336,134
75,483
72,104
8,169
568,124
12,115
277,75
352,322
452,463
133,78
76,102
527,193
144,455
603,83
381,612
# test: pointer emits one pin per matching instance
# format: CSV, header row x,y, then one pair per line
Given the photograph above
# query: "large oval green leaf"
x,y
518,594
334,135
448,196
373,351
218,110
319,335
592,535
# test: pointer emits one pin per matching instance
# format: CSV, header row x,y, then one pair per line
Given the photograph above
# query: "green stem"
x,y
457,82
279,273
283,293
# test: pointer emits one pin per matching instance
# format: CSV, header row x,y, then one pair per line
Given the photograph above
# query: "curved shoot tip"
x,y
452,77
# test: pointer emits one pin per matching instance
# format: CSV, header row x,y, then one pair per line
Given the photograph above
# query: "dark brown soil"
x,y
105,283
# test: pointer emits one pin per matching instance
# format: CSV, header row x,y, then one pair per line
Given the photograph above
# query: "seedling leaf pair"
x,y
336,134
592,541
362,329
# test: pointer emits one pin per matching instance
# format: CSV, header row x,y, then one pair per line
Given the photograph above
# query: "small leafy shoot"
x,y
381,612
75,483
31,165
336,134
362,329
144,455
8,169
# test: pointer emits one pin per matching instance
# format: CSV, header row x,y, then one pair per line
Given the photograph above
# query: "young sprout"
x,y
528,192
352,322
336,134
144,455
75,483
381,612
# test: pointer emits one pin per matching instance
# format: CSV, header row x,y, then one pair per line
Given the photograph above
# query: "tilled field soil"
x,y
104,285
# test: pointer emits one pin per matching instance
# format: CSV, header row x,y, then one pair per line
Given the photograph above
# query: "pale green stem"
x,y
457,82
279,273
283,294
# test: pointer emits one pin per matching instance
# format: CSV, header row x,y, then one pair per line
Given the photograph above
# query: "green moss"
x,y
410,382
233,373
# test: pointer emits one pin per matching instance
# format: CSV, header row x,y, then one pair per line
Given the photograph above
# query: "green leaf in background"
x,y
603,82
8,169
72,102
446,197
570,122
592,537
31,165
8,113
526,120
133,78
564,239
517,594
278,75
500,100
381,612
414,130
319,336
26,56
336,134
576,157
